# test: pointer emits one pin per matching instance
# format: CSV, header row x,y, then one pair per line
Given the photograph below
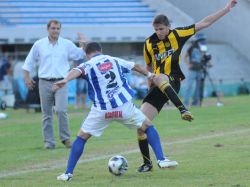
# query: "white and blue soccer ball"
x,y
118,165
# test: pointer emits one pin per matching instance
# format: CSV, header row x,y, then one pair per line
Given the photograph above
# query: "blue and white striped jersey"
x,y
107,85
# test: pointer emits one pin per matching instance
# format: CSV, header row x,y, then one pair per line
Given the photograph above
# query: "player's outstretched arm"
x,y
209,20
72,75
143,71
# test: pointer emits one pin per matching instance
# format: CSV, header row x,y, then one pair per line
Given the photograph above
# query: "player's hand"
x,y
150,75
231,4
30,83
59,84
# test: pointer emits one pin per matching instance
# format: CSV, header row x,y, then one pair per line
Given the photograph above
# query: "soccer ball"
x,y
117,165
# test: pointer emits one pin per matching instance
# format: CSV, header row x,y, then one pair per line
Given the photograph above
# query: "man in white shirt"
x,y
53,54
111,96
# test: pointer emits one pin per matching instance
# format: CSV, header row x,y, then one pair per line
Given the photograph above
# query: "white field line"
x,y
183,141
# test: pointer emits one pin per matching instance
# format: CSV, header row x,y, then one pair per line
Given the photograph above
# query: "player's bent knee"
x,y
160,78
83,135
145,125
140,132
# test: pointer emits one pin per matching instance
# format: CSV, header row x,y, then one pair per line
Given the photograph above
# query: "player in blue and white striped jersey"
x,y
108,87
111,96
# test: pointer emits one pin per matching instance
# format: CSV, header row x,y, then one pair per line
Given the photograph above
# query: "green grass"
x,y
213,150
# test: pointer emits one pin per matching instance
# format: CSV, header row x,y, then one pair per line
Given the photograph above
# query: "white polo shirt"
x,y
53,59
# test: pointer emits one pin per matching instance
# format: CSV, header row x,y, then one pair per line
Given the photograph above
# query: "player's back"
x,y
107,83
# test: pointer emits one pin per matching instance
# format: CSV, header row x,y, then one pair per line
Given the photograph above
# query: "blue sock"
x,y
154,141
75,153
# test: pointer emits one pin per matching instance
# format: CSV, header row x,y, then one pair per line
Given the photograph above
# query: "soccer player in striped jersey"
x,y
162,56
111,96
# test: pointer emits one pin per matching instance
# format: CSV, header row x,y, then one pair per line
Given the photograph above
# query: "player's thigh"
x,y
95,123
149,110
156,98
132,116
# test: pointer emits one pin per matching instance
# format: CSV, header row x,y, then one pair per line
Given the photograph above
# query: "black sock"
x,y
168,90
143,145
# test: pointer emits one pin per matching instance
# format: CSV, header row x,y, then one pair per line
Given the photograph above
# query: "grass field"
x,y
213,150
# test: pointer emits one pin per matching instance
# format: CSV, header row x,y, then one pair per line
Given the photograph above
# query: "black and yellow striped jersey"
x,y
165,54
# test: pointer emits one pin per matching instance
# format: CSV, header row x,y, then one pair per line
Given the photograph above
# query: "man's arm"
x,y
149,67
74,73
143,71
209,20
146,72
28,81
28,66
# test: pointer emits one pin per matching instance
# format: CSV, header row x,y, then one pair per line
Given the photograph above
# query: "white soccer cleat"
x,y
166,163
65,177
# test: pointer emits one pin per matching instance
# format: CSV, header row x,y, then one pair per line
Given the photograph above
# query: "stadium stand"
x,y
38,12
117,19
75,12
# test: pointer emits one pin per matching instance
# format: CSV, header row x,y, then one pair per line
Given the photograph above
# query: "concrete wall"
x,y
234,28
176,16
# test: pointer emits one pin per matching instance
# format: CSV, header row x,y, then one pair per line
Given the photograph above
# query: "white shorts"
x,y
127,114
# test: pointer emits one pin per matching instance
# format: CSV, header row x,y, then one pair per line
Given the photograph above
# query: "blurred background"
x,y
121,26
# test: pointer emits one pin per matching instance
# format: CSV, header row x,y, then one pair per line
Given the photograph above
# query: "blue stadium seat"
x,y
38,12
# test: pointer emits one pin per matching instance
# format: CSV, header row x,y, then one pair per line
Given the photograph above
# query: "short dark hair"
x,y
161,19
93,47
53,21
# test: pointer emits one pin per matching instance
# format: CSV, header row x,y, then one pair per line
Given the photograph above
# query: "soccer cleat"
x,y
145,167
166,163
65,177
186,115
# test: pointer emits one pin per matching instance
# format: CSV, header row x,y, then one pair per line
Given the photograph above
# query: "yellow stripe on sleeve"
x,y
183,33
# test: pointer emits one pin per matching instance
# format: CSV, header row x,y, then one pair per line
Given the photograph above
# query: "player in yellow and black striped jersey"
x,y
162,53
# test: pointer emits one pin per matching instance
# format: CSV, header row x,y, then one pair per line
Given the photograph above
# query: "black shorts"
x,y
156,98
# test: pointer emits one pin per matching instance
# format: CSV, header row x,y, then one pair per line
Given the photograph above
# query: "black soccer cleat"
x,y
145,168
